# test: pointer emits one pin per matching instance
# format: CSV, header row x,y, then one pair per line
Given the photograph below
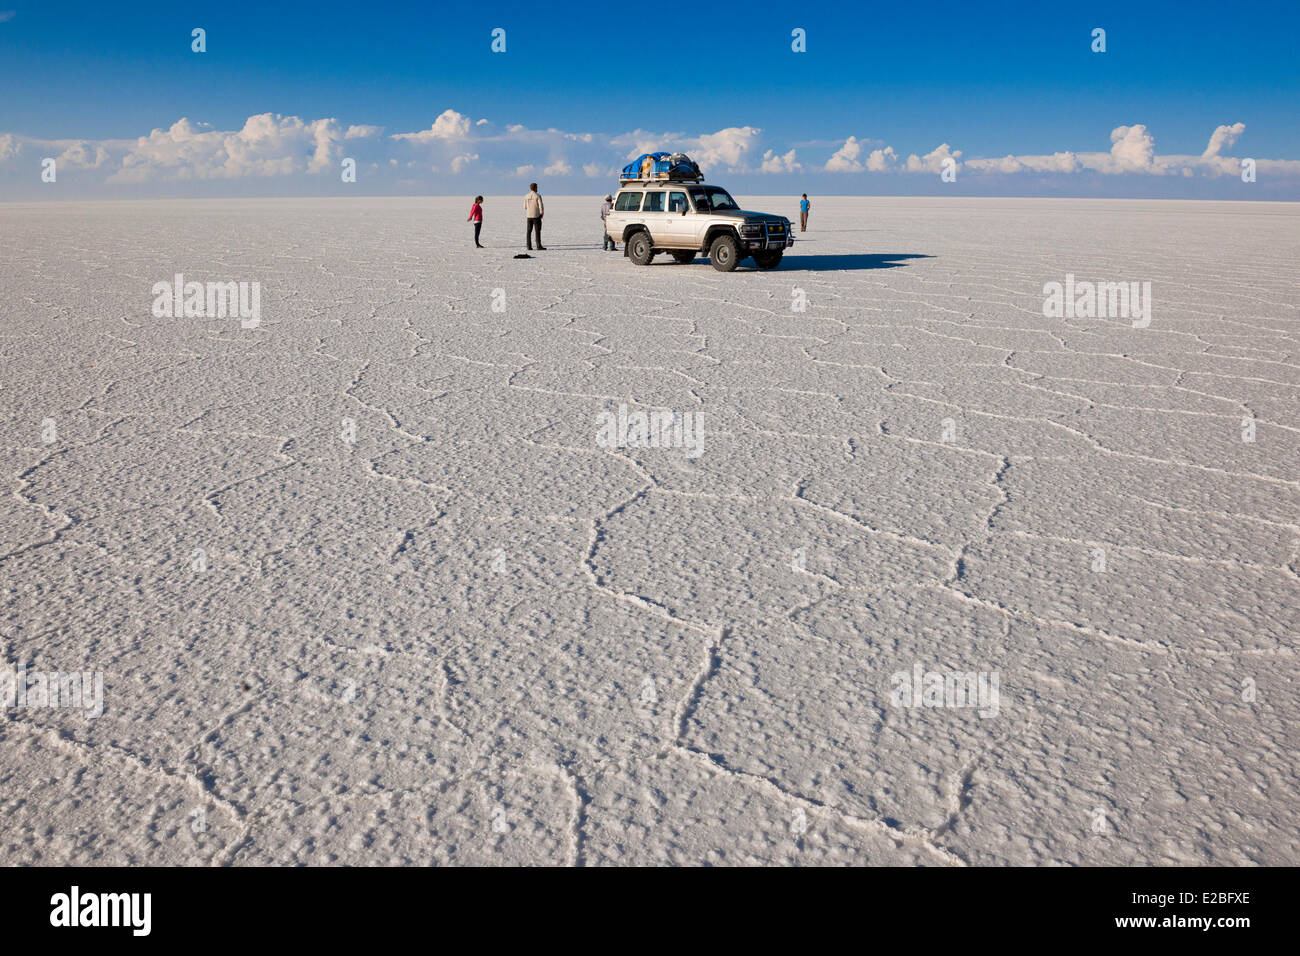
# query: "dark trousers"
x,y
478,226
534,227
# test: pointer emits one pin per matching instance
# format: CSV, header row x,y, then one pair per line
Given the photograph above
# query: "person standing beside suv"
x,y
605,208
804,206
533,210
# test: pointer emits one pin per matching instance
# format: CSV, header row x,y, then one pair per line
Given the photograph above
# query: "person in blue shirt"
x,y
804,206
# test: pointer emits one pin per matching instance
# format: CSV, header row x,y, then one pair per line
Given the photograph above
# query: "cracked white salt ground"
x,y
429,642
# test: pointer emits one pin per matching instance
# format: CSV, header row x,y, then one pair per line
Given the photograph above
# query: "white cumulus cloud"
x,y
786,163
83,155
1223,137
845,159
268,145
1134,149
933,161
727,147
448,125
881,160
462,162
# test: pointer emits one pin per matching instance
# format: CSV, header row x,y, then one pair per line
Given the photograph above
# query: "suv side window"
x,y
677,203
654,202
628,202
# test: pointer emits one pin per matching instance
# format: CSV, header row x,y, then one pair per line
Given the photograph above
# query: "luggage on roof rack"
x,y
675,167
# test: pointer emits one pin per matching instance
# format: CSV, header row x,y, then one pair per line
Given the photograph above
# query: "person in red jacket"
x,y
476,217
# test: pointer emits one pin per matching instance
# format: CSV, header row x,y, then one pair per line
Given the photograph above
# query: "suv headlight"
x,y
751,229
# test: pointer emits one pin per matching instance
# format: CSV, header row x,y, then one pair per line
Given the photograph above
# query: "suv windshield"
x,y
712,198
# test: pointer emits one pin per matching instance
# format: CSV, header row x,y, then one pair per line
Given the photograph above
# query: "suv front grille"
x,y
765,235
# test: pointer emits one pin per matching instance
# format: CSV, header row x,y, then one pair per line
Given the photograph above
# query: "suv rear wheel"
x,y
724,254
767,260
639,249
684,257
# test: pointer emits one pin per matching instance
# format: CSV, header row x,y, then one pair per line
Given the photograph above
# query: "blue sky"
x,y
582,86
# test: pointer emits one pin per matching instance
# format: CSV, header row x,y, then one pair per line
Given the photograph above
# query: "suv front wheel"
x,y
724,253
639,248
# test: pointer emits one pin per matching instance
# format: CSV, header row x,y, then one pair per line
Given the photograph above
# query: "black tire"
x,y
724,254
639,249
684,257
767,260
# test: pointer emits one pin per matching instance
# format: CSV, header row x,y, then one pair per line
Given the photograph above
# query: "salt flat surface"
x,y
474,635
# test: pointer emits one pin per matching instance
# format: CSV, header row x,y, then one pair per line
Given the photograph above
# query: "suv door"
x,y
654,215
681,228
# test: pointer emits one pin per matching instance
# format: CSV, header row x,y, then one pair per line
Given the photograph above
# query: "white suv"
x,y
686,219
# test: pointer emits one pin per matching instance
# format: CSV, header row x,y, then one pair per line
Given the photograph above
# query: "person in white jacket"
x,y
534,210
605,209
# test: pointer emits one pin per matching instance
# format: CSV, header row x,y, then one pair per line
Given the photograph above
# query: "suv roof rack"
x,y
661,180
